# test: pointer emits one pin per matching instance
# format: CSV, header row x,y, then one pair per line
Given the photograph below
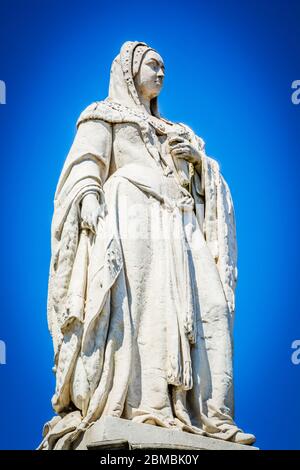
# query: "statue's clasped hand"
x,y
91,211
182,148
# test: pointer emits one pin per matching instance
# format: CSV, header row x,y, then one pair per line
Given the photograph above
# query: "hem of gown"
x,y
66,430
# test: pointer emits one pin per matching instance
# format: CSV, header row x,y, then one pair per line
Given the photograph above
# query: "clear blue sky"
x,y
229,69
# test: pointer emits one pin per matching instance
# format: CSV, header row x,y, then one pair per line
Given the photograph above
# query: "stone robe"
x,y
141,313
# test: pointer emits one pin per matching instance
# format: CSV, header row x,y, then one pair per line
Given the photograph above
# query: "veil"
x,y
121,87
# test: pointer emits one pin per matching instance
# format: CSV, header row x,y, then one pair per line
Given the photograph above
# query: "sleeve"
x,y
89,156
85,170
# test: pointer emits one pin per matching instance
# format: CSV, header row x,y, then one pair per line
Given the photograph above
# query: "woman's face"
x,y
149,79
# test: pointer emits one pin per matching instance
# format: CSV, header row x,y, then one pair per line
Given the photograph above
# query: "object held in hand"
x,y
185,169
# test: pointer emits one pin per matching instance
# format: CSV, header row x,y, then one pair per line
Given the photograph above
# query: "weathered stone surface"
x,y
114,433
143,271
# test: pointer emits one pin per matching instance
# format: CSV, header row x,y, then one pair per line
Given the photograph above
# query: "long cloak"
x,y
141,313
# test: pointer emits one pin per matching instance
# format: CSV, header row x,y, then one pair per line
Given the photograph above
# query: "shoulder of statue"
x,y
98,110
110,112
186,128
213,164
193,136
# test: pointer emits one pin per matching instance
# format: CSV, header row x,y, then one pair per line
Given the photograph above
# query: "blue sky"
x,y
229,70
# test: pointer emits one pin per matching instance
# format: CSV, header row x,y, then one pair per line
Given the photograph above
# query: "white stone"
x,y
143,269
113,433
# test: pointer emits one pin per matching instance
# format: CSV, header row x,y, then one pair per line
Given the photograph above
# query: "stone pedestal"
x,y
114,433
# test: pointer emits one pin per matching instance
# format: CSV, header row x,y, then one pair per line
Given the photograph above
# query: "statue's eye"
x,y
154,65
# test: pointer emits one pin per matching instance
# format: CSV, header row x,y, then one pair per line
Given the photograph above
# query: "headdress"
x,y
123,70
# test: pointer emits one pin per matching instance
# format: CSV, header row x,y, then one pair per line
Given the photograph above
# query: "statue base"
x,y
111,433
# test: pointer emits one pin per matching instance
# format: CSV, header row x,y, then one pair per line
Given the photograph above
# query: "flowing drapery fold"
x,y
141,313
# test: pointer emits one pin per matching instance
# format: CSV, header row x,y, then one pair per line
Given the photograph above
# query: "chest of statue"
x,y
129,146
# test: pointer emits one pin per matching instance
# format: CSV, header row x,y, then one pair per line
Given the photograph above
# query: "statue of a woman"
x,y
143,269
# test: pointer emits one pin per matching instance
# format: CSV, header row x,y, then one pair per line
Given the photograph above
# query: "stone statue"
x,y
143,269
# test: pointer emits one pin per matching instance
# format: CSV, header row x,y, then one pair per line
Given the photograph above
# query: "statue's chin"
x,y
155,90
155,94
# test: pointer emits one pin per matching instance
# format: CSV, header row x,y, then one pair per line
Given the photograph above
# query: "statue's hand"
x,y
91,210
182,148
